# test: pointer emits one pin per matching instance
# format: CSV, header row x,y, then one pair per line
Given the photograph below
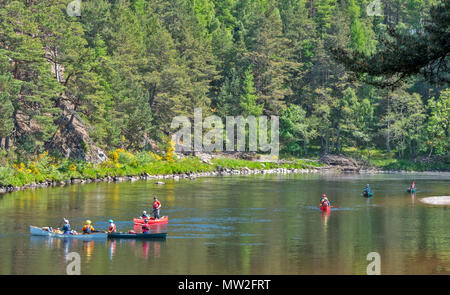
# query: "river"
x,y
237,225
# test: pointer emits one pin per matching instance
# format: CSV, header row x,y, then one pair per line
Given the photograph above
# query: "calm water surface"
x,y
237,225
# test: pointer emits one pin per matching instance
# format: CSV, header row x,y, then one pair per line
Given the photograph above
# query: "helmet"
x,y
88,222
110,221
144,212
324,196
66,221
154,198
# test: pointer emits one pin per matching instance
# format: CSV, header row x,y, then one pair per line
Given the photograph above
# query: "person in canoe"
x,y
412,187
66,227
324,202
144,215
112,226
156,207
145,227
88,228
366,191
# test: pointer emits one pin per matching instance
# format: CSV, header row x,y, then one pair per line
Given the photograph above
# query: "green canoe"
x,y
366,194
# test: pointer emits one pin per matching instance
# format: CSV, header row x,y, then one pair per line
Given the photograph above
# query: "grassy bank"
x,y
45,168
385,161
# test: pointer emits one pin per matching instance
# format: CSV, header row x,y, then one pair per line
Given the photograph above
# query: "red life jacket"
x,y
156,204
112,228
145,228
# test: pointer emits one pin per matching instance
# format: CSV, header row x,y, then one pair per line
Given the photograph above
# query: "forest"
x,y
339,78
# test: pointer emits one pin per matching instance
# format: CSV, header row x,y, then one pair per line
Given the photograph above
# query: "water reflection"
x,y
237,225
325,216
88,249
111,248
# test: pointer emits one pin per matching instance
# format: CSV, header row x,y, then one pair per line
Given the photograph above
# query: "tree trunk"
x,y
388,133
338,137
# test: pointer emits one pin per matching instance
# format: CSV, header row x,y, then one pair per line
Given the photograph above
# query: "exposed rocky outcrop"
x,y
340,162
72,139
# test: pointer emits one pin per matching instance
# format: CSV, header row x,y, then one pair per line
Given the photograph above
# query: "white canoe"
x,y
37,231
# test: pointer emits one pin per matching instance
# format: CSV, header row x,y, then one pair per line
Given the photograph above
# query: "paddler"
x,y
144,215
145,227
112,226
88,228
413,186
156,207
324,201
66,227
367,189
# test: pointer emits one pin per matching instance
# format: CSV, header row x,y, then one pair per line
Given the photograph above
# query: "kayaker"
x,y
367,189
413,185
156,207
88,228
324,201
66,227
145,227
144,215
112,226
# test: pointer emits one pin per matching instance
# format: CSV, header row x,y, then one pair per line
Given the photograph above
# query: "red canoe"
x,y
151,220
325,208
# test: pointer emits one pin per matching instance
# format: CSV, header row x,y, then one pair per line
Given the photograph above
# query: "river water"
x,y
237,225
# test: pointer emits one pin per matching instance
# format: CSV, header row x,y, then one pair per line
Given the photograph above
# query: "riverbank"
x,y
46,171
121,165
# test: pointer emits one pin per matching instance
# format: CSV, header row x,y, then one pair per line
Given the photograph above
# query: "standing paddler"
x,y
156,207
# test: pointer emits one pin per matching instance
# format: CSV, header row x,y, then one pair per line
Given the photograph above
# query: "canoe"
x,y
37,231
119,235
325,208
151,220
366,194
411,190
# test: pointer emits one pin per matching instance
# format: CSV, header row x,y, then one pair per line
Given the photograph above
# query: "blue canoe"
x,y
37,231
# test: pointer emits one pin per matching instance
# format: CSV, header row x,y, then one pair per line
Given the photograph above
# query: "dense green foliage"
x,y
127,67
406,50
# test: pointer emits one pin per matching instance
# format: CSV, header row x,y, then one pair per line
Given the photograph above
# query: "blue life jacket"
x,y
66,228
